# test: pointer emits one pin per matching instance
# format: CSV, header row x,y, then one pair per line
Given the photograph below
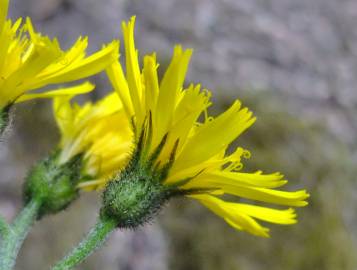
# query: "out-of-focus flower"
x,y
100,132
180,150
30,61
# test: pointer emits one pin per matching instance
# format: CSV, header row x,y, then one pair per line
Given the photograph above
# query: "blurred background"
x,y
293,63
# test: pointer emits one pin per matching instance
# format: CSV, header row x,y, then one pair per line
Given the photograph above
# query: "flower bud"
x,y
134,198
54,184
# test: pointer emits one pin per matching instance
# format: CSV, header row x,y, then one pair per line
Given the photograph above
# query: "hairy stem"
x,y
4,227
16,233
93,240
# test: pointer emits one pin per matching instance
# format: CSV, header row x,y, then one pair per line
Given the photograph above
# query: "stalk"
x,y
15,234
92,241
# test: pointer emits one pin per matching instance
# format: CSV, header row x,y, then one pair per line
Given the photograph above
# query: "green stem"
x,y
16,234
93,240
4,227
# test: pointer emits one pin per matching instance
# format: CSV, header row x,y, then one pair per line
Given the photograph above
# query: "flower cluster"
x,y
149,140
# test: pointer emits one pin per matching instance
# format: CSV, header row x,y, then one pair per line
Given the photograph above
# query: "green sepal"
x,y
4,118
134,198
136,194
54,184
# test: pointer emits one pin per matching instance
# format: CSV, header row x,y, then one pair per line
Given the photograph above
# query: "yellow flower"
x,y
100,132
192,155
29,61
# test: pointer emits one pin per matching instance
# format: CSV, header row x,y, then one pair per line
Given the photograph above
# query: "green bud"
x,y
134,198
4,118
53,184
137,194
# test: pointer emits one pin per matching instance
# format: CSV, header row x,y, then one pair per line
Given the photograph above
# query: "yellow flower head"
x,y
178,150
29,61
99,132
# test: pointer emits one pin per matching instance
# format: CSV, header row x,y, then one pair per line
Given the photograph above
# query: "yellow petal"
x,y
249,179
4,5
290,198
170,88
284,217
74,55
214,136
133,70
151,82
120,85
80,69
249,186
191,105
74,90
232,215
